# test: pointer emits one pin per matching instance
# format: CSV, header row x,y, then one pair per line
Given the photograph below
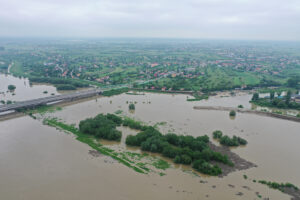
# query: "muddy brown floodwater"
x,y
24,91
40,162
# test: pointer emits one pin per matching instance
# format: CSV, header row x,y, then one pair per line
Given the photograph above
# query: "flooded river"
x,y
40,162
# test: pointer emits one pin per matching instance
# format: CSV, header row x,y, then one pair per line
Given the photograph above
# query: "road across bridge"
x,y
50,99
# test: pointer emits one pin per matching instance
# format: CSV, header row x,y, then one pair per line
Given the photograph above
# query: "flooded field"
x,y
40,162
24,91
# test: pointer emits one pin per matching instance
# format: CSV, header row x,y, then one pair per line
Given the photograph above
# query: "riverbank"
x,y
241,110
163,91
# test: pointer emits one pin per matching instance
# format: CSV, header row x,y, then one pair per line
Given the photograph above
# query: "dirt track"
x,y
242,110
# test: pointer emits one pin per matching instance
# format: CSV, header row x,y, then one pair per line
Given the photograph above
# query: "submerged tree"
x,y
11,87
255,97
131,106
232,113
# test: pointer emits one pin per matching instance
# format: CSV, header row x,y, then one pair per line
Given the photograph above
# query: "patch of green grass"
x,y
136,156
199,97
161,164
143,166
41,109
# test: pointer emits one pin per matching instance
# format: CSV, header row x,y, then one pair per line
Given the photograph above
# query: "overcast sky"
x,y
224,19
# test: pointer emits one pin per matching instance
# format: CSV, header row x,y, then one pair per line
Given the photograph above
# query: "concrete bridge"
x,y
51,99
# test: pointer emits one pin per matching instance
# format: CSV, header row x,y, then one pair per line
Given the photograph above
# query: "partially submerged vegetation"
x,y
227,141
183,149
232,113
112,92
139,162
11,87
186,150
277,101
42,109
90,140
279,186
198,97
102,126
287,188
131,106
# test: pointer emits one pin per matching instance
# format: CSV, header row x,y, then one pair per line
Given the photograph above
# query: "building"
x,y
296,98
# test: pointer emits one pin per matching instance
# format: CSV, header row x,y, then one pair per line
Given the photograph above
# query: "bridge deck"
x,y
45,100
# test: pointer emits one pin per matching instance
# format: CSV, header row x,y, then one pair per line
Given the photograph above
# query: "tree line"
x,y
227,141
182,149
276,101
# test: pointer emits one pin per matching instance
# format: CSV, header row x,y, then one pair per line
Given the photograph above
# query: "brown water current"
x,y
40,162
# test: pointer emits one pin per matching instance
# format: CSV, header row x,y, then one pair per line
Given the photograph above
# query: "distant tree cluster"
x,y
227,141
294,82
65,87
60,83
277,102
112,92
182,149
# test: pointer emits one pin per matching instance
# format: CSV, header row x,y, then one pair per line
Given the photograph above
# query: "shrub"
x,y
11,87
131,106
227,141
232,113
217,134
177,159
118,120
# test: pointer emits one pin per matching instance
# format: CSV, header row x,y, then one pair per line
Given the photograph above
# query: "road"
x,y
50,99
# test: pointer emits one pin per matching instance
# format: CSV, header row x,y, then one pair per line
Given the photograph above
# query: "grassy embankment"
x,y
198,97
129,159
91,142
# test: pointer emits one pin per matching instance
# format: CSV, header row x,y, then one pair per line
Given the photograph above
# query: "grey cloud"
x,y
232,19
